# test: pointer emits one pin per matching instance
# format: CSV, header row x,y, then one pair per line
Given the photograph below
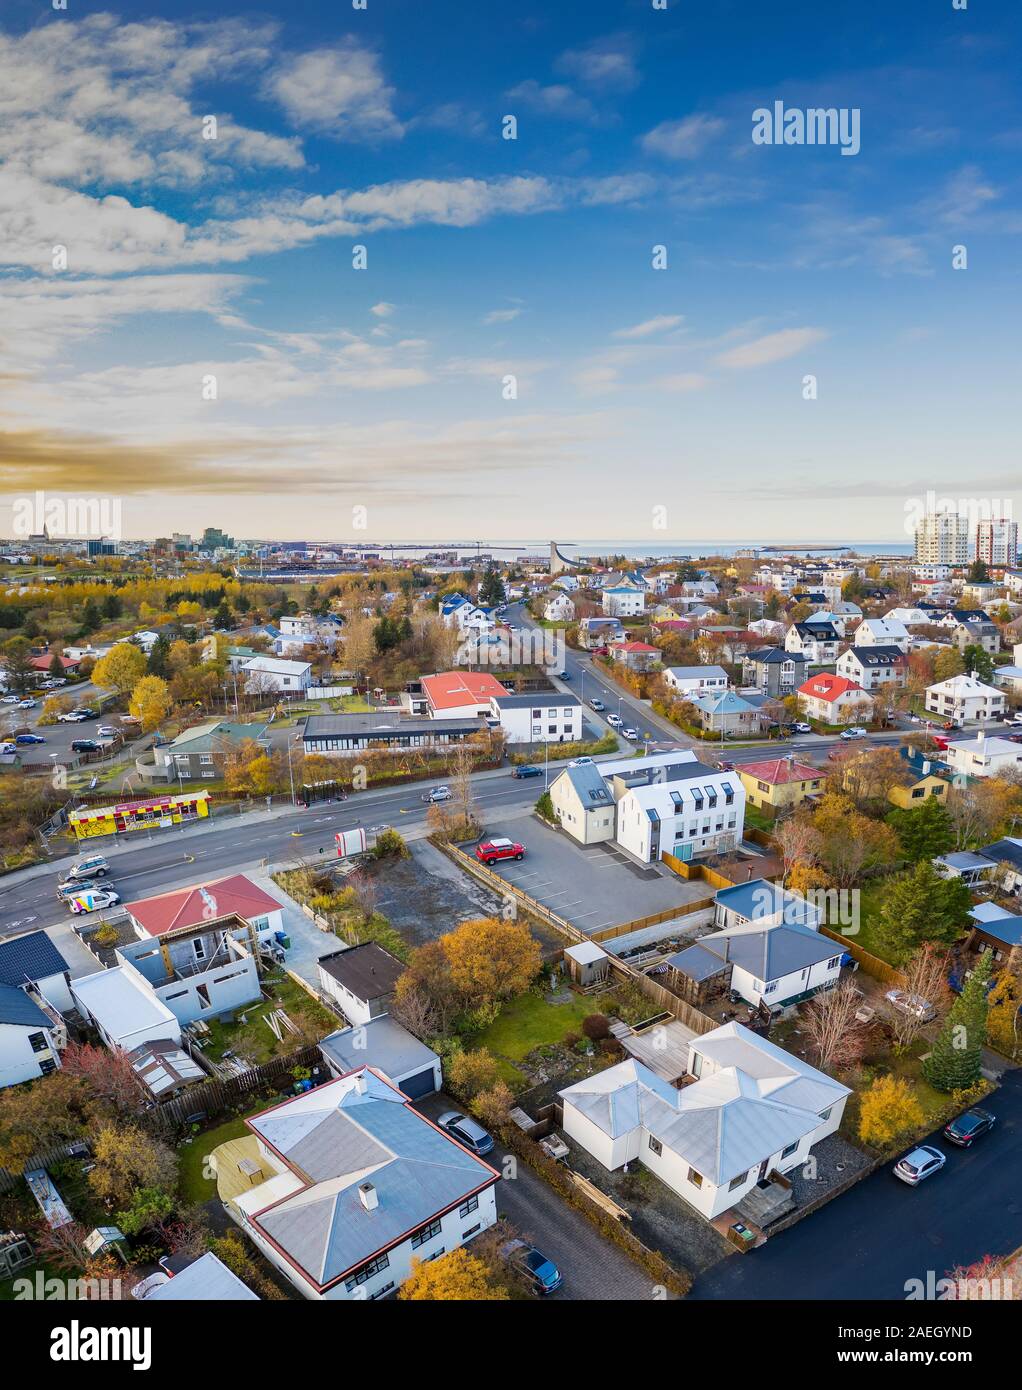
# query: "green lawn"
x,y
757,819
532,1021
192,1183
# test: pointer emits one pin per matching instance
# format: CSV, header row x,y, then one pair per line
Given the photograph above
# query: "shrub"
x,y
469,1073
493,1106
545,807
389,844
596,1026
571,1038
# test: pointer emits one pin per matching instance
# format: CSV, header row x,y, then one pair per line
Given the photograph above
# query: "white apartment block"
x,y
997,542
964,698
942,538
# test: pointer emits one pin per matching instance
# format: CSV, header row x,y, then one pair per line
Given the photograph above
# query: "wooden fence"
x,y
872,965
56,1153
638,923
216,1095
692,870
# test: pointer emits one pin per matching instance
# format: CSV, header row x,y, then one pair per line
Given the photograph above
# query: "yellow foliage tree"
x,y
150,702
472,1072
121,669
888,1109
455,1278
492,959
1004,1027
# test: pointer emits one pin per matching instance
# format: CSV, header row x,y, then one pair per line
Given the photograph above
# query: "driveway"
x,y
591,886
869,1243
593,1269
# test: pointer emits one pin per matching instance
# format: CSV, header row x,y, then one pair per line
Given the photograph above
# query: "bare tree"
x,y
925,978
798,842
836,1036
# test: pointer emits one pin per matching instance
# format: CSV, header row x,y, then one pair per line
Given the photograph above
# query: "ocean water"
x,y
642,550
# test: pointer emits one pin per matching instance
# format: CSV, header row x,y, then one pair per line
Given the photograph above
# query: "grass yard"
x,y
254,1040
757,819
192,1182
529,1022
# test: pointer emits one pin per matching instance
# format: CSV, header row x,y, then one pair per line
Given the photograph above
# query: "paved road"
x,y
593,1268
870,1242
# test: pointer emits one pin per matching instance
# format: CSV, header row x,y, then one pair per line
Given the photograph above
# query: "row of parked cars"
x,y
80,888
927,1159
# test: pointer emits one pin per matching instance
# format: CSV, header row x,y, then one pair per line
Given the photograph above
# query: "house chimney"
x,y
367,1195
361,1083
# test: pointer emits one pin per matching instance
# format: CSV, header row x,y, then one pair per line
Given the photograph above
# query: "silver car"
x,y
921,1163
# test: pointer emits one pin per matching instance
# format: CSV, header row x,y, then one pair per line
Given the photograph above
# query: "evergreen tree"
x,y
56,665
491,587
158,664
91,617
955,1060
921,906
979,661
223,617
924,831
112,606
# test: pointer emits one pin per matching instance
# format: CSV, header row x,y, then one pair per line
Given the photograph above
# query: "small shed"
x,y
587,963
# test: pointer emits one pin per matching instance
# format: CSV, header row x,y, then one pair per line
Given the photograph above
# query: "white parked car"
x,y
854,732
615,721
74,716
106,731
919,1164
26,704
802,728
633,734
438,794
9,700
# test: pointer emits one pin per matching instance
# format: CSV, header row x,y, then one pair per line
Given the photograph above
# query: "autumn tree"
x,y
852,846
493,1106
111,1081
980,807
947,663
127,1158
426,998
52,1110
955,1060
888,1109
121,669
492,959
151,702
472,1072
837,1037
868,776
1004,1023
924,977
457,1277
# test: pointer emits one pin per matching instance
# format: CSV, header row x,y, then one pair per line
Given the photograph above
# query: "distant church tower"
x,y
558,562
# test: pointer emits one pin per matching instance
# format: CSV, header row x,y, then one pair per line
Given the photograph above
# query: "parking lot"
x,y
591,886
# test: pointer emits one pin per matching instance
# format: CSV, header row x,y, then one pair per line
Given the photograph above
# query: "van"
x,y
92,900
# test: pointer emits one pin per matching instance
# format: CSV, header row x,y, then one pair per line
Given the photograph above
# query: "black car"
x,y
527,771
84,745
89,712
968,1127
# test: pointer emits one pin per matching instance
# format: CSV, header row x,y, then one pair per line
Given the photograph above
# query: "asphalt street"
x,y
871,1242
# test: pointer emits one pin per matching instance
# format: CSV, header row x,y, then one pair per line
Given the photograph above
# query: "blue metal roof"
x,y
18,1009
28,958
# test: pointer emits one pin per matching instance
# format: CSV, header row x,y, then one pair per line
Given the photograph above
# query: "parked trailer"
x,y
350,842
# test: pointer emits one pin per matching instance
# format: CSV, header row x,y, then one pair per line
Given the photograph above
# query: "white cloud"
x,y
684,139
773,347
339,91
607,64
558,101
501,316
659,324
680,382
383,310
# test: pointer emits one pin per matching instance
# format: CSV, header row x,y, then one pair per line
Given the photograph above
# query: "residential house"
x,y
761,903
770,967
767,627
995,930
124,1011
873,667
882,632
31,962
460,694
637,656
546,716
977,633
817,642
840,622
599,632
270,673
964,698
29,1039
383,1044
301,630
361,980
982,756
909,617
913,786
834,700
583,804
1007,854
203,1280
559,609
970,868
182,908
774,670
696,680
1009,678
624,601
724,712
751,1110
69,665
351,1186
779,784
671,803
199,753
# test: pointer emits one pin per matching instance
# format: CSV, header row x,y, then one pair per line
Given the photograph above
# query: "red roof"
x,y
780,770
43,663
456,689
186,907
635,647
829,687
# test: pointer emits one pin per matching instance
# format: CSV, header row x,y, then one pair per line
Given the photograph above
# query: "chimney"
x,y
368,1197
361,1083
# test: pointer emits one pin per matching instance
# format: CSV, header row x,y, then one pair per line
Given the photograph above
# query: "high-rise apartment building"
x,y
942,538
997,542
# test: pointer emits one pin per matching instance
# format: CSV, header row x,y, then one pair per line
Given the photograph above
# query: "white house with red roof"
x,y
202,902
780,782
834,699
460,694
637,656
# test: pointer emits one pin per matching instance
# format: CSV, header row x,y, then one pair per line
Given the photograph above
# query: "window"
x,y
771,987
655,1145
425,1233
696,1179
46,1066
199,948
366,1272
786,1153
37,1042
737,1182
826,1114
382,1293
471,1205
834,962
472,1230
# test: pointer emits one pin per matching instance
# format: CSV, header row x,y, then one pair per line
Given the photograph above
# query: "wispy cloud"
x,y
773,347
646,329
684,139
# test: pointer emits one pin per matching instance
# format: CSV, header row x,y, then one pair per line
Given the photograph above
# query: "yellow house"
x,y
779,784
911,790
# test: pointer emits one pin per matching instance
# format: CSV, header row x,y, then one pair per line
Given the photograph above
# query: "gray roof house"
x,y
356,1186
387,1047
584,804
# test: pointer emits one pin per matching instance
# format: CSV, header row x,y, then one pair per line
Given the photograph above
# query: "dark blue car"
x,y
527,771
29,738
541,1273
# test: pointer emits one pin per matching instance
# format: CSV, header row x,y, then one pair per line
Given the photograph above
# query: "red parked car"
x,y
489,851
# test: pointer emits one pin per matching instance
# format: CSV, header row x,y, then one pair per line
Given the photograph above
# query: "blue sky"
x,y
642,394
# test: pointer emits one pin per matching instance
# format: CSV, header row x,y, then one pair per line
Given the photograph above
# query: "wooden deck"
x,y
238,1166
663,1047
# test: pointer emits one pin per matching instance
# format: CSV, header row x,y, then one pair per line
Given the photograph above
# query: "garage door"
x,y
421,1084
